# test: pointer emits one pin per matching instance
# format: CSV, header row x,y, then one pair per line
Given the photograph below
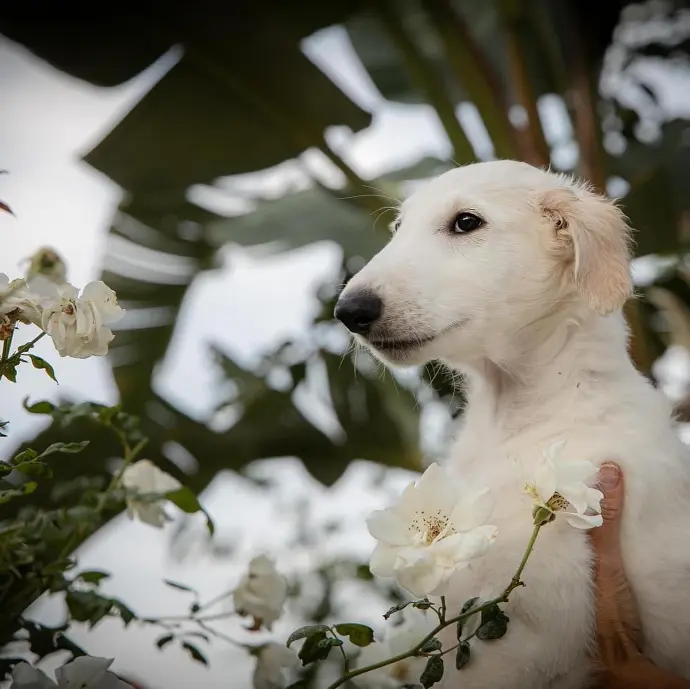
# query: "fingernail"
x,y
609,476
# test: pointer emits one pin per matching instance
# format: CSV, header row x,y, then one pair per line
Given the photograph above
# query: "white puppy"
x,y
516,277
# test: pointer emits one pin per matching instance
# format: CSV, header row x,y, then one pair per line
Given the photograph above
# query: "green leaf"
x,y
67,448
43,365
92,576
194,652
126,614
163,641
180,587
433,672
431,645
494,624
359,634
396,608
105,416
39,407
24,489
306,632
317,647
9,370
33,468
25,456
468,605
189,503
462,655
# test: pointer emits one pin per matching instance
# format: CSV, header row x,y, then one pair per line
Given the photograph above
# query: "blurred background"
x,y
225,167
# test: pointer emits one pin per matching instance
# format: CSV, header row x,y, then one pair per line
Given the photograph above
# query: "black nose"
x,y
359,311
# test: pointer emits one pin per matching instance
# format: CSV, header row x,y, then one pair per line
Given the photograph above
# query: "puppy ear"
x,y
593,233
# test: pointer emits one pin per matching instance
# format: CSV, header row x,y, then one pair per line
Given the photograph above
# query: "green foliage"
x,y
319,630
359,634
462,655
494,623
433,672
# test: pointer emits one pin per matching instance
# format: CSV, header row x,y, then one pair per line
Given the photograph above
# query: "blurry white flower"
x,y
560,486
275,666
261,593
47,262
396,639
84,672
16,304
78,324
142,478
435,529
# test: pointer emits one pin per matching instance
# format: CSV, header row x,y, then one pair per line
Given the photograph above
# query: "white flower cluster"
x,y
261,593
438,528
78,323
144,478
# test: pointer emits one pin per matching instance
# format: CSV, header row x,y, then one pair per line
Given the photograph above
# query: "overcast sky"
x,y
47,121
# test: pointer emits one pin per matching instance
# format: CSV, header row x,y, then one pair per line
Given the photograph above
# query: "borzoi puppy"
x,y
516,278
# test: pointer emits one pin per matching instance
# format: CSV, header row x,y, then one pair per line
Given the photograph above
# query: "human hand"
x,y
618,625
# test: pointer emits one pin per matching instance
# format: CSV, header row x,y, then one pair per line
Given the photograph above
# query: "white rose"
x,y
435,529
261,593
142,478
560,486
78,324
275,666
16,304
84,672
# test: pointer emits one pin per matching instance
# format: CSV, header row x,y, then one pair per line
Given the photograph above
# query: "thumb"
x,y
605,539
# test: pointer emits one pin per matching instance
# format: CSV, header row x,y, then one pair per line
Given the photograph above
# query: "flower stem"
x,y
130,455
6,345
515,582
346,660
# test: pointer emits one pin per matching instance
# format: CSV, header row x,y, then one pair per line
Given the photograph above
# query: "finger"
x,y
606,538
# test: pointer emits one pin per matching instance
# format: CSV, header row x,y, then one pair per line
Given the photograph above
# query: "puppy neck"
x,y
546,364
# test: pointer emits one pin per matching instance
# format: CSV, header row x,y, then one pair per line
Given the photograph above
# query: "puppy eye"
x,y
467,222
395,226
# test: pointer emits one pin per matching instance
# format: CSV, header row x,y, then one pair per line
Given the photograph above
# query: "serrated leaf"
x,y
431,645
163,641
494,624
105,415
92,576
24,489
467,605
176,585
189,503
433,672
462,655
306,632
359,634
194,652
42,365
126,614
25,456
9,370
33,468
316,648
39,407
66,448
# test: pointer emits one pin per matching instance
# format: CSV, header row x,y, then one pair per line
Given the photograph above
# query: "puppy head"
x,y
481,255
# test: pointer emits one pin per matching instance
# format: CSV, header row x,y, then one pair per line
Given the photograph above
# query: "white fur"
x,y
542,363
